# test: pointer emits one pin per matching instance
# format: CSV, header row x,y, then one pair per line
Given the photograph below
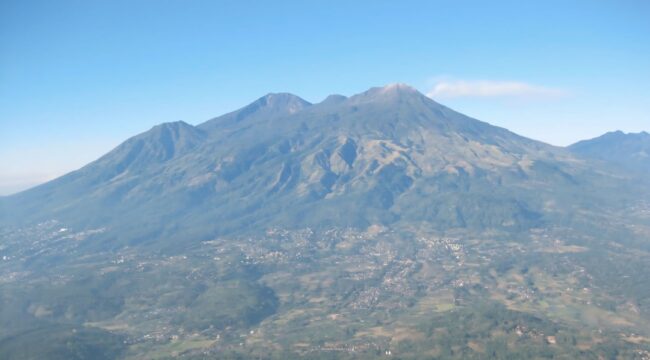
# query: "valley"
x,y
344,291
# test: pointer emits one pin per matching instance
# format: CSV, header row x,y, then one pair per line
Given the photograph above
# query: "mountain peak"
x,y
619,135
334,99
173,125
282,101
266,108
398,87
172,132
629,150
395,91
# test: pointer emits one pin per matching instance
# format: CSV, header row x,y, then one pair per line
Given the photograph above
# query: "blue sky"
x,y
79,77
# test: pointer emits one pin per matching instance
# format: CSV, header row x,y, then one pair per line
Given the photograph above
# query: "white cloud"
x,y
488,88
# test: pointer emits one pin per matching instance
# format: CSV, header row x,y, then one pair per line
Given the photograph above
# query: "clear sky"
x,y
79,77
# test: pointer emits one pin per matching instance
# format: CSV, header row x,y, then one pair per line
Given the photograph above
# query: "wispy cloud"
x,y
452,88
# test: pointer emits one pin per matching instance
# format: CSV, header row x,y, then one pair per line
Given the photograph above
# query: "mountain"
x,y
383,223
389,155
630,151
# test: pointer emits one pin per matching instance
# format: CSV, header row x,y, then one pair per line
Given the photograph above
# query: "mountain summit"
x,y
392,90
630,151
267,107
